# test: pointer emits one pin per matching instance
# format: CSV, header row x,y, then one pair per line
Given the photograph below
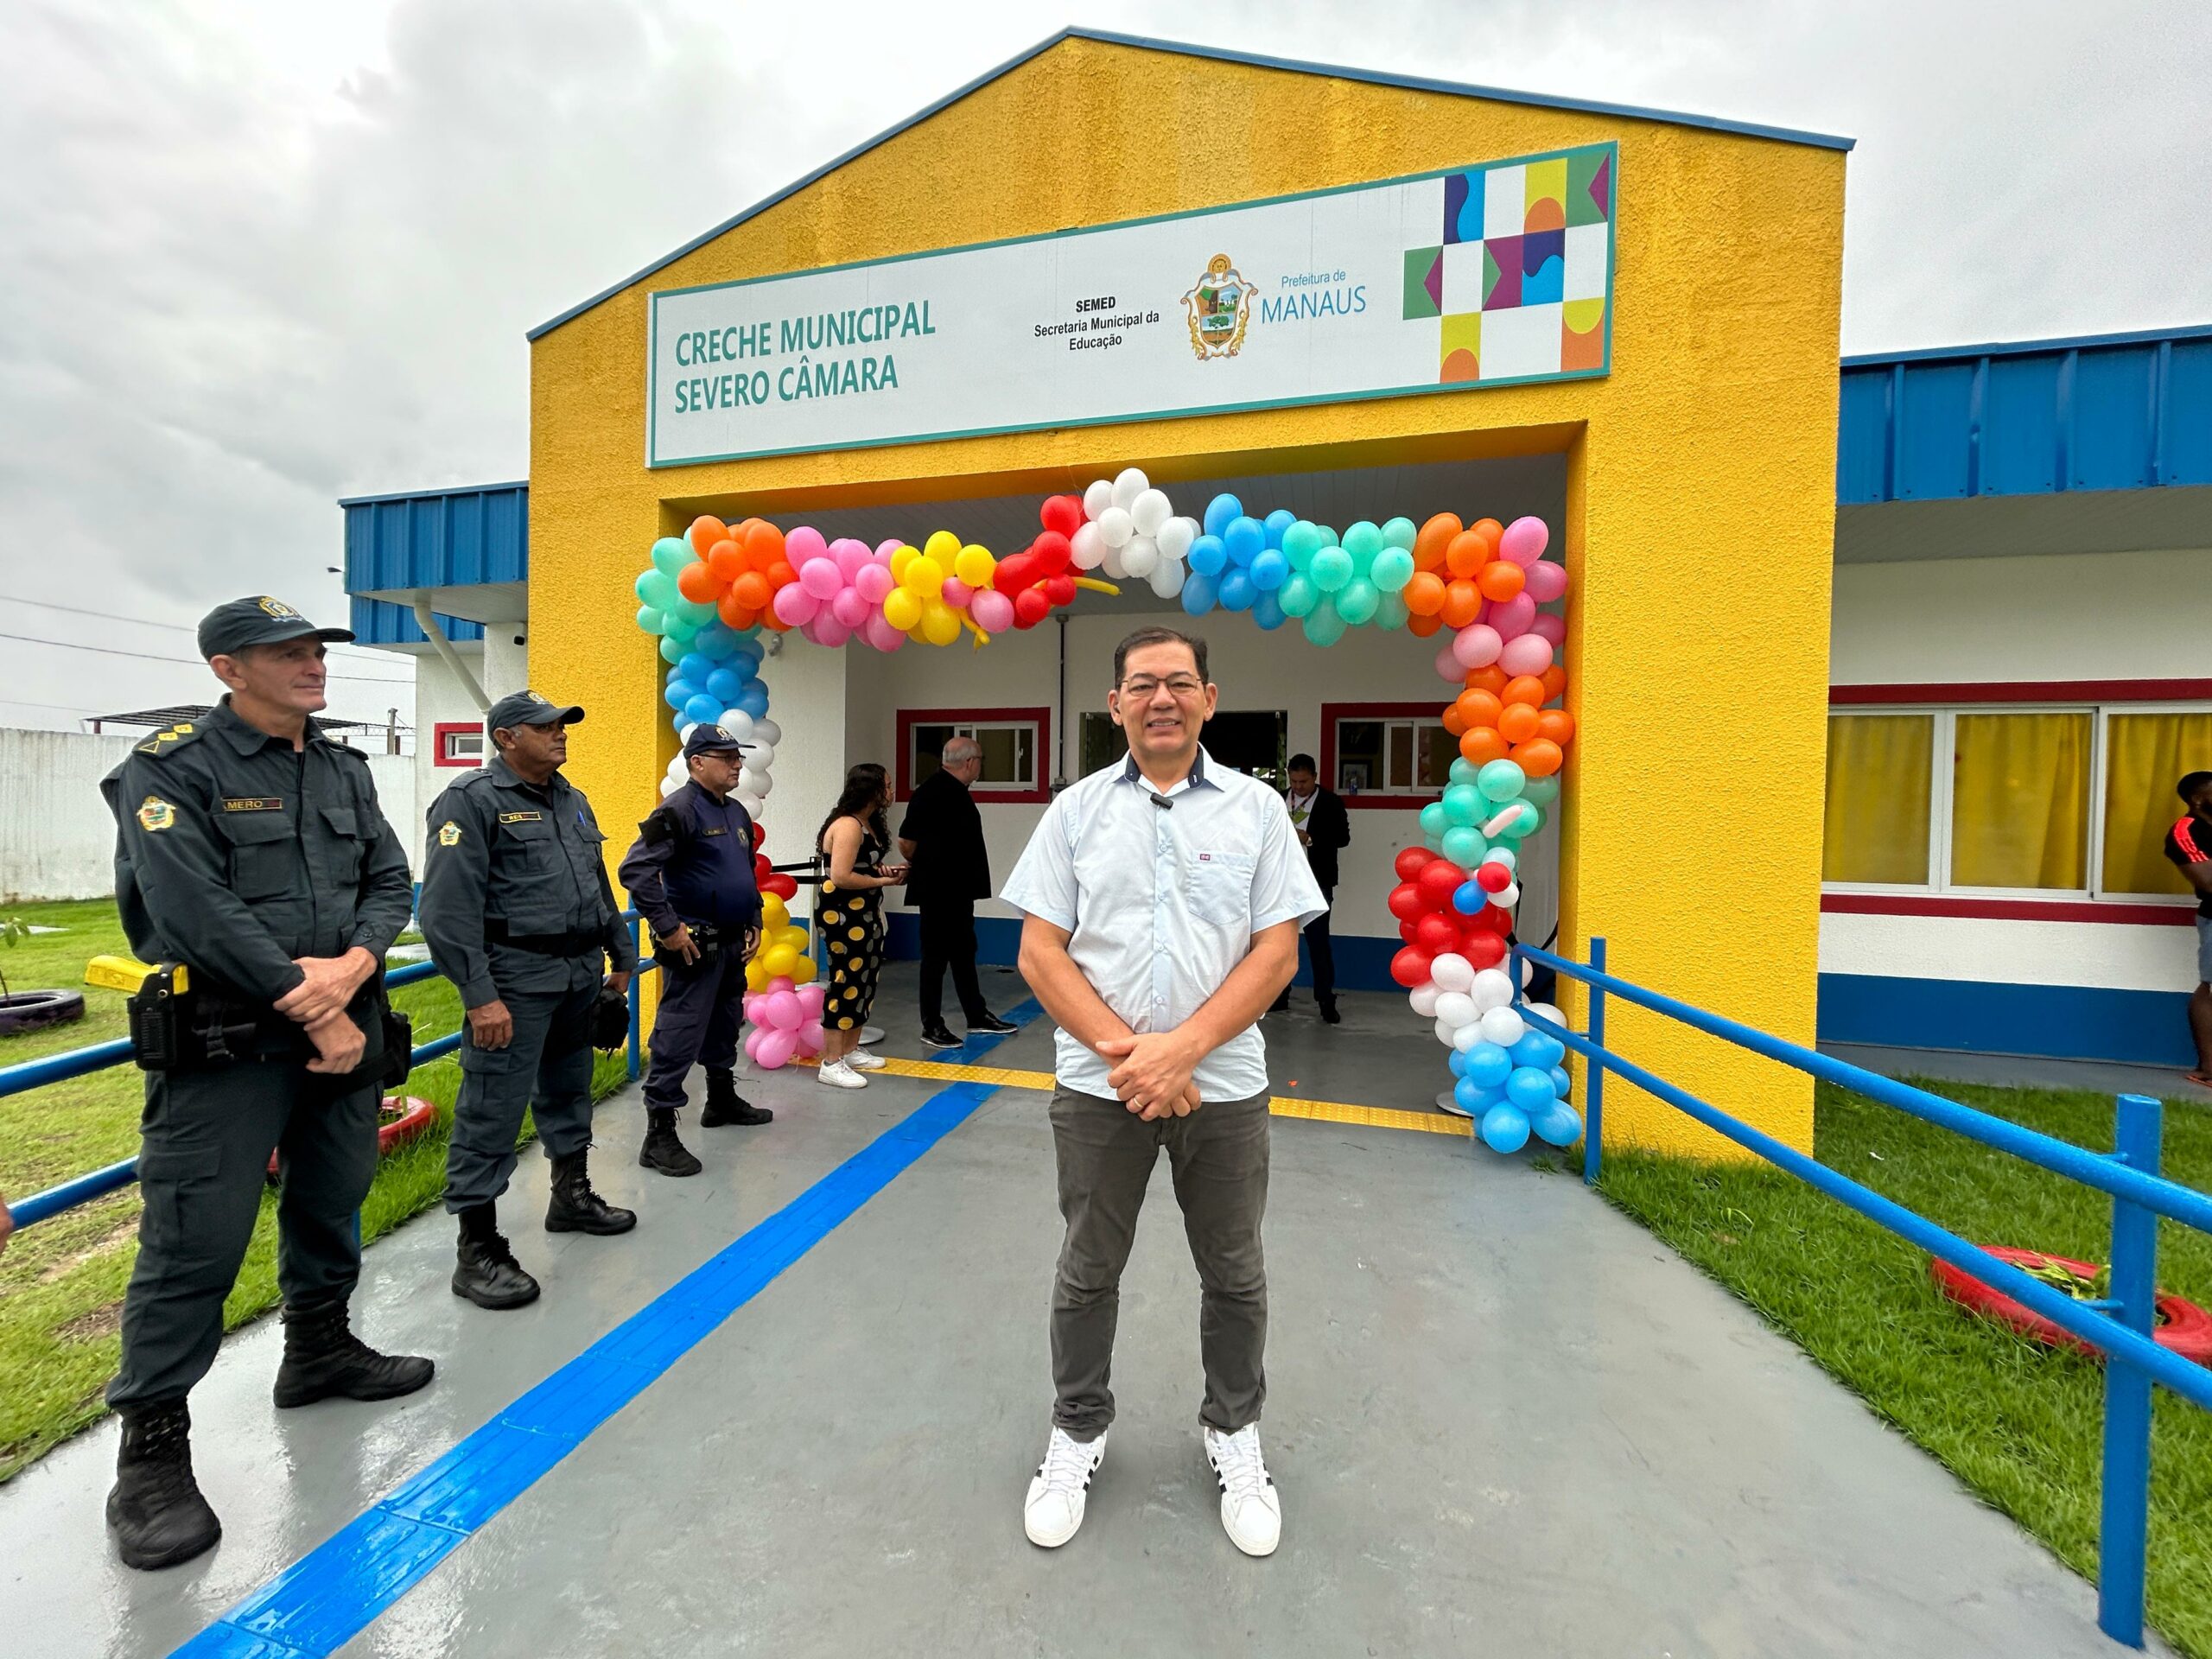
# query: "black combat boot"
x,y
322,1357
575,1208
486,1271
725,1105
155,1511
662,1150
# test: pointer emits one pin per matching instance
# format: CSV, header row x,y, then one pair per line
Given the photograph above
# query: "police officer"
x,y
690,873
518,912
252,851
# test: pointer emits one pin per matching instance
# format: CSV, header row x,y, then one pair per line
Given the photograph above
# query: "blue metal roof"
x,y
2100,412
438,538
1220,54
380,622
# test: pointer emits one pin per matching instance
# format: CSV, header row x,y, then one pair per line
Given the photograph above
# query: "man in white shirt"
x,y
1162,900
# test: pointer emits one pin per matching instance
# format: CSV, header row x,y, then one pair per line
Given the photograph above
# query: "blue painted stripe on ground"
x,y
331,1594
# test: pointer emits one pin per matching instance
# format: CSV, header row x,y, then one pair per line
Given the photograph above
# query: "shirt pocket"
x,y
262,858
342,851
1217,888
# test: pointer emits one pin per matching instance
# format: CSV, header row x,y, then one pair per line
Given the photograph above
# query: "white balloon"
x,y
754,805
1167,577
1141,556
1504,855
738,724
1097,499
1453,972
1112,566
1467,1036
685,728
1507,896
1504,1028
1423,997
678,768
754,783
1528,972
1116,526
1131,483
1457,1008
1546,1011
1175,537
760,756
1151,511
670,785
766,730
1491,989
1090,548
1446,1033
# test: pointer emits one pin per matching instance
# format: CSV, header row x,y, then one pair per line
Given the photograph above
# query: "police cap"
x,y
229,629
710,739
528,708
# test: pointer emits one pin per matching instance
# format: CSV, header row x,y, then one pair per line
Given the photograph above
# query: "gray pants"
x,y
545,1069
1218,1156
201,1171
700,1009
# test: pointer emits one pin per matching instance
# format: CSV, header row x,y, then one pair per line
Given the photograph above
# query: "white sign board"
x,y
1484,276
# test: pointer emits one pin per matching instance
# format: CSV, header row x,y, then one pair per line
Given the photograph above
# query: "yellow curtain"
x,y
2147,755
2020,801
1880,768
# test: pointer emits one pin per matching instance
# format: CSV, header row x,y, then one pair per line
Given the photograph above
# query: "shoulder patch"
x,y
168,742
449,834
156,814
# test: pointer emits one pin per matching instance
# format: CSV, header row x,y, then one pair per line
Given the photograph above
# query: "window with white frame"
x,y
460,746
1400,755
2019,799
1009,749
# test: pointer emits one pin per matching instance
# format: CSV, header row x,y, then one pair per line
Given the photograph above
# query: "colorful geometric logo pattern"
x,y
1522,274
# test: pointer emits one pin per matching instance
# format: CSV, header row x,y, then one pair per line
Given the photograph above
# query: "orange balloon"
x,y
1490,678
1477,707
1467,553
1423,594
1431,541
1556,726
752,591
1463,603
1539,758
1491,532
1501,579
697,584
1516,723
734,615
1524,688
706,530
1421,626
1555,679
763,543
727,561
1454,721
780,574
1482,746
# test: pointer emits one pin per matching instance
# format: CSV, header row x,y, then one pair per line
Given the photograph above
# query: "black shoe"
x,y
155,1511
322,1357
487,1271
937,1037
725,1105
1281,1005
991,1026
662,1150
1329,1014
575,1208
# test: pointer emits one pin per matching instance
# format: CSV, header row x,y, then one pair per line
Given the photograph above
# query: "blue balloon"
x,y
753,700
1488,1064
1237,592
1473,1097
1529,1089
1505,1128
680,691
725,685
1562,1086
1244,538
1207,558
1458,1062
748,648
1267,611
1538,1049
1219,512
1269,569
1277,522
1468,899
696,667
1558,1124
715,641
1198,593
702,709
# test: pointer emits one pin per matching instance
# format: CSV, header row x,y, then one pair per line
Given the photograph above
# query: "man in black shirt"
x,y
1323,826
2189,843
943,839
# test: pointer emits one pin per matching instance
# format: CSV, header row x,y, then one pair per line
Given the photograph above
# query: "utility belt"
x,y
177,1026
711,937
574,944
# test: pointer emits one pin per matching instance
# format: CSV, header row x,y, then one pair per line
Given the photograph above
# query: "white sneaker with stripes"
x,y
1251,1509
1053,1509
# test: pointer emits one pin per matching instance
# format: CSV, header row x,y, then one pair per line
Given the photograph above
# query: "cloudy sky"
x,y
260,254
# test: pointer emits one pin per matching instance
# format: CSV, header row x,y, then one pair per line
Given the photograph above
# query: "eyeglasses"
x,y
1183,686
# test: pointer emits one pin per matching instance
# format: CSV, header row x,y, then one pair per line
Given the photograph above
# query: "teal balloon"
x,y
1390,611
680,628
649,618
1433,823
1364,541
716,642
1332,569
1465,771
1462,806
658,590
672,554
1502,781
1297,595
1399,532
1465,846
694,611
1505,1128
672,650
1323,626
1393,570
1541,790
1356,602
1300,542
1328,536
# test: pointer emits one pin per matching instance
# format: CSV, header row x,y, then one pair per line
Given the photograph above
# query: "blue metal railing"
x,y
98,1056
2120,1327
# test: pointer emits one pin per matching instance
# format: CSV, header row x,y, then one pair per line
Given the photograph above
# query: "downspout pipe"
x,y
429,623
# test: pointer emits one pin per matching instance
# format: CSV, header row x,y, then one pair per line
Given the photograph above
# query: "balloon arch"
x,y
710,594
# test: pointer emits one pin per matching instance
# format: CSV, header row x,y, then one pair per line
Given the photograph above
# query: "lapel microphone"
x,y
1163,803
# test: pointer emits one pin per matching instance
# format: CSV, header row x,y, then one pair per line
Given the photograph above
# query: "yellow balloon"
x,y
900,558
776,961
902,609
925,575
943,547
794,937
774,913
802,971
974,566
940,623
756,977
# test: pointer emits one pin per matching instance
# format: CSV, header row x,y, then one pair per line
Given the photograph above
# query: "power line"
x,y
151,657
148,622
58,708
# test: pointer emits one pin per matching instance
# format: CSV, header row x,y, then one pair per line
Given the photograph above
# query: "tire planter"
x,y
399,1120
2187,1329
32,1010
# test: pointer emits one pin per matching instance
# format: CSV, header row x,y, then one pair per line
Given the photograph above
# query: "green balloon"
x,y
650,619
1463,770
1393,570
1297,595
1542,790
1399,532
1502,781
1465,846
1323,626
658,590
695,612
672,554
1433,823
1364,541
1463,805
1358,602
1328,535
1390,611
672,649
681,629
1332,569
1300,542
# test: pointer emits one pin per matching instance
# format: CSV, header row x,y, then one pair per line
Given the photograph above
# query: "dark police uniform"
x,y
237,853
691,866
516,908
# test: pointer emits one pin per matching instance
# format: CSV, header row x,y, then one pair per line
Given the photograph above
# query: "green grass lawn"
x,y
62,1282
2019,1424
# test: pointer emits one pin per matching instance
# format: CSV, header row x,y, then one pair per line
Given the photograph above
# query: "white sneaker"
x,y
1053,1509
860,1060
836,1074
1251,1509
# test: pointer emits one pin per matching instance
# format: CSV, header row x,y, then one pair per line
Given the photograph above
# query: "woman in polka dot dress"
x,y
848,909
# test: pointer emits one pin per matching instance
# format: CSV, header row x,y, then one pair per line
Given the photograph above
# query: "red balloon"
x,y
1059,589
1409,862
1485,950
1435,935
759,835
784,887
1016,572
1062,514
1494,878
1052,554
1410,967
1030,608
1495,917
1406,931
1406,902
1439,880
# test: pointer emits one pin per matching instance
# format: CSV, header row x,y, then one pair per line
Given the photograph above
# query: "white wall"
x,y
439,698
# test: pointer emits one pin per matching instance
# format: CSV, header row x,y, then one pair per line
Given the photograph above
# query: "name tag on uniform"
x,y
719,829
253,804
522,817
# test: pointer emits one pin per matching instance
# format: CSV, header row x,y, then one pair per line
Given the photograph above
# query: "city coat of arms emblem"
x,y
1219,308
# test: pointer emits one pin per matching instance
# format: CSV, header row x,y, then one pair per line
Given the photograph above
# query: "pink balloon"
x,y
812,998
773,1048
1524,542
958,593
781,982
1475,645
811,1036
1511,619
850,608
784,1011
820,576
795,606
993,610
881,634
885,547
1547,582
850,555
1550,626
1530,654
872,583
1447,665
828,631
804,543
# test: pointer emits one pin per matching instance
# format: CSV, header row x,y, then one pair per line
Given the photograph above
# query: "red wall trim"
x,y
902,776
438,741
2027,691
2180,913
1372,800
